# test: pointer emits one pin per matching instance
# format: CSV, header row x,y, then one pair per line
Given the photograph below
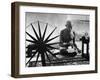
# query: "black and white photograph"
x,y
54,39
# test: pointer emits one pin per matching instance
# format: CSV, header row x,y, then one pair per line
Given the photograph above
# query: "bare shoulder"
x,y
63,30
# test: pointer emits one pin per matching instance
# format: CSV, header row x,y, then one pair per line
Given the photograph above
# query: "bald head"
x,y
68,25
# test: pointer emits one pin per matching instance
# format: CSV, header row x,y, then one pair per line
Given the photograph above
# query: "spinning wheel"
x,y
40,45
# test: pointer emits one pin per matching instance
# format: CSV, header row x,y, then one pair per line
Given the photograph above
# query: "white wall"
x,y
5,40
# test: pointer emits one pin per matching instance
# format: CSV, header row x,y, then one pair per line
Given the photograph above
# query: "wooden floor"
x,y
77,60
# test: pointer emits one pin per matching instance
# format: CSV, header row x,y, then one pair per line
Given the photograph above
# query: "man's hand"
x,y
64,44
71,43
